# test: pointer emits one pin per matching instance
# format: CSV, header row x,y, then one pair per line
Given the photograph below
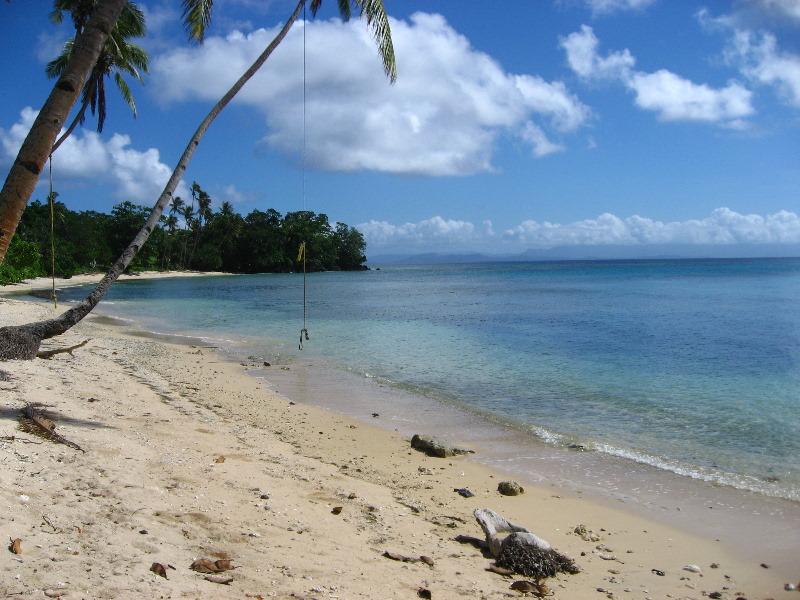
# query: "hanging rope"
x,y
303,253
304,330
52,237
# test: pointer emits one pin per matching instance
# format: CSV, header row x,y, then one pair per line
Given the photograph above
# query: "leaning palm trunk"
x,y
24,173
23,341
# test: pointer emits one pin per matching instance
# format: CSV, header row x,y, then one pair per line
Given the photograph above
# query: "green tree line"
x,y
191,237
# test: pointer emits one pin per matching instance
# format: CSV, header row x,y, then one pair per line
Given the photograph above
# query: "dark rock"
x,y
435,447
510,488
464,492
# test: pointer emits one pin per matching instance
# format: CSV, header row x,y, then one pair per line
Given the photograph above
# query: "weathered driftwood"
x,y
436,447
519,550
49,353
497,528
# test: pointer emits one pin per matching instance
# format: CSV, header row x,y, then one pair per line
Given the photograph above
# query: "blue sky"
x,y
551,123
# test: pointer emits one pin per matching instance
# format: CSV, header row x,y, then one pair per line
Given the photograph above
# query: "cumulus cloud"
x,y
722,227
433,232
671,96
759,58
583,57
442,117
678,99
85,157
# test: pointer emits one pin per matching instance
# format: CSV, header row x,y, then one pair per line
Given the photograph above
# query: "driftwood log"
x,y
519,550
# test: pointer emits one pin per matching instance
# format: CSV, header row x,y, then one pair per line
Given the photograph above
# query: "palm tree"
x,y
118,57
89,43
203,215
188,223
23,341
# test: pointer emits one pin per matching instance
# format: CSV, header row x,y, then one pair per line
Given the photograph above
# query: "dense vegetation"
x,y
191,237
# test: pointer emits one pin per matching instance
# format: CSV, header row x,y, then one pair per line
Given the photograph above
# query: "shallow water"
x,y
692,367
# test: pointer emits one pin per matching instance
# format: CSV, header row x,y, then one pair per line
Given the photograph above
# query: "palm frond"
x,y
125,92
378,20
196,17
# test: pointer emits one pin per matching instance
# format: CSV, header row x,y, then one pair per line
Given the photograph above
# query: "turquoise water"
x,y
692,366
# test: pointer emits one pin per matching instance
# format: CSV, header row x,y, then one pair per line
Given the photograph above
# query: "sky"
x,y
551,123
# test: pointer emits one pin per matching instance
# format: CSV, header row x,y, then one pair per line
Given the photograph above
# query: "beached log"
x,y
436,447
50,353
519,550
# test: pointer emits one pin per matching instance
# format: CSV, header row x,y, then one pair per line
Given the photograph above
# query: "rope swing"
x,y
303,253
304,331
51,197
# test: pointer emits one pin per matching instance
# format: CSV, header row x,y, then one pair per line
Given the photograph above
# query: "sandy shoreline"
x,y
154,418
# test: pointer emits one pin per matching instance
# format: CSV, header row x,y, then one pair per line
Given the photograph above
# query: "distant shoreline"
x,y
46,283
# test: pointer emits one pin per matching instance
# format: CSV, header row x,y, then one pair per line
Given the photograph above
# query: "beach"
x,y
185,457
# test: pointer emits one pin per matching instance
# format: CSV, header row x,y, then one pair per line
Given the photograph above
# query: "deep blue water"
x,y
690,365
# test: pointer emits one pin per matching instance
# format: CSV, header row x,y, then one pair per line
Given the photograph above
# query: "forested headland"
x,y
191,237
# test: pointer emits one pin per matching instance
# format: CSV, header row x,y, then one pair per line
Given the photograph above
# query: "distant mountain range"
x,y
610,252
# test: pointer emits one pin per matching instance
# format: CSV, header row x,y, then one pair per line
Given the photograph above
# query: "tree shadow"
x,y
57,416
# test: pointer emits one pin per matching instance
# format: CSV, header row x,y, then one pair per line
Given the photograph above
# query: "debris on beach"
x,y
15,546
424,593
692,568
206,565
510,488
519,550
463,492
531,587
500,570
159,570
397,557
220,580
33,421
587,535
435,447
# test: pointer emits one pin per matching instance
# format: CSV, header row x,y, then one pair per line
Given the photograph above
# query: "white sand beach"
x,y
184,457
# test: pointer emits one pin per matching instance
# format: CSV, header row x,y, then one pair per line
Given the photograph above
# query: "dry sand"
x,y
187,457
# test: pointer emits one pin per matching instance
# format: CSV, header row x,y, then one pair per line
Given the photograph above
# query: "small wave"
x,y
707,474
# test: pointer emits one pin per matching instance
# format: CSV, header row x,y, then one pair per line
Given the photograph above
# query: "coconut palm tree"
x,y
118,56
38,144
23,341
203,215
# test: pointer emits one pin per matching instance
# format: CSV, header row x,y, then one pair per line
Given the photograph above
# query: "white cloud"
x,y
778,8
722,227
604,7
671,96
678,99
756,54
538,140
85,157
442,117
583,58
761,61
430,232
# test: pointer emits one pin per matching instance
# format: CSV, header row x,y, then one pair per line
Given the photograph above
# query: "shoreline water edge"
x,y
674,516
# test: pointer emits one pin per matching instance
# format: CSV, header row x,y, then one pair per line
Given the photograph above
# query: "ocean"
x,y
686,367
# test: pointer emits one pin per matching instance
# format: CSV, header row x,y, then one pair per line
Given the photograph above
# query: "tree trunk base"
x,y
18,342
